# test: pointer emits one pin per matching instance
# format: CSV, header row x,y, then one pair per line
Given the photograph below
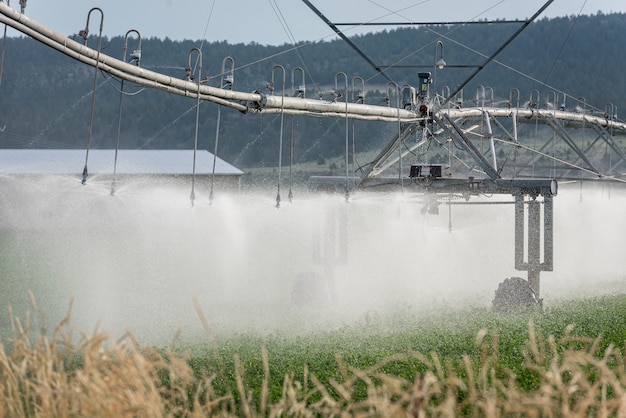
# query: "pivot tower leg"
x,y
528,238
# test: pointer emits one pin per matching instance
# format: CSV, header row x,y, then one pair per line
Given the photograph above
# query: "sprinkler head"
x,y
85,175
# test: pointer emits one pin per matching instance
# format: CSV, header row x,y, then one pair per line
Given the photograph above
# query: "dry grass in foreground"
x,y
99,377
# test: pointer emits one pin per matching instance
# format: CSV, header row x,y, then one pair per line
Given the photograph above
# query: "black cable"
x,y
346,39
565,42
495,54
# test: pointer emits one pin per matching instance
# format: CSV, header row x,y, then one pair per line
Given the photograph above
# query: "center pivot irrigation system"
x,y
575,142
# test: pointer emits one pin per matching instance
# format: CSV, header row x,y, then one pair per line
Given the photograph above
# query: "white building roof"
x,y
101,161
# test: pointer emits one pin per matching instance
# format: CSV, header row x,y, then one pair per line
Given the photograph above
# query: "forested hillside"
x,y
45,97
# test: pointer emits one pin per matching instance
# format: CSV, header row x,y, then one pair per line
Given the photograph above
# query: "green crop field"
x,y
566,360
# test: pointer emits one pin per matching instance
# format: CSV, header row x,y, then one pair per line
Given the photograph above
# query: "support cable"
x,y
346,39
292,38
206,27
569,33
498,51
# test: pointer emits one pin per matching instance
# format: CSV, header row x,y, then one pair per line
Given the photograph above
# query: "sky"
x,y
276,22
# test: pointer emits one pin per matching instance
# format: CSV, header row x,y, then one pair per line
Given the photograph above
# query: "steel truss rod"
x,y
608,138
408,150
558,160
376,166
526,115
487,120
389,158
541,152
569,141
530,115
512,137
457,135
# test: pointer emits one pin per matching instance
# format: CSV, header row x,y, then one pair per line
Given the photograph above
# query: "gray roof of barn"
x,y
101,161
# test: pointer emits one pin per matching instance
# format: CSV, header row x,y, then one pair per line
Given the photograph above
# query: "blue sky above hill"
x,y
276,22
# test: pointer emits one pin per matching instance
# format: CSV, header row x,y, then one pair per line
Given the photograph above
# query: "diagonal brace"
x,y
560,131
392,146
608,138
457,135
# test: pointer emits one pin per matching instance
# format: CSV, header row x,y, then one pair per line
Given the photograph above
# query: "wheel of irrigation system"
x,y
514,294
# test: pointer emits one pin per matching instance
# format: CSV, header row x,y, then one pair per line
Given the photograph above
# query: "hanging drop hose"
x,y
117,143
136,57
290,195
347,150
229,83
280,159
85,35
4,43
298,91
280,142
192,196
217,139
4,37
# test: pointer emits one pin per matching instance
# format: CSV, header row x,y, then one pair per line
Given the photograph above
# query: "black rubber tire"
x,y
514,294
